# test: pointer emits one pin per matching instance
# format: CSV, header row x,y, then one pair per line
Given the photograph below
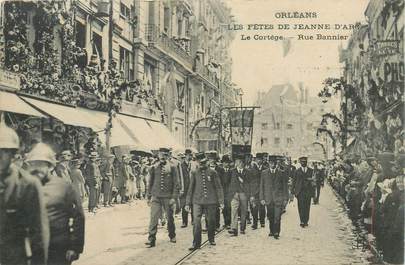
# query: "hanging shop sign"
x,y
9,80
386,47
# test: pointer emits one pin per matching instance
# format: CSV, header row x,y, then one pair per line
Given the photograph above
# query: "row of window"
x,y
277,141
289,126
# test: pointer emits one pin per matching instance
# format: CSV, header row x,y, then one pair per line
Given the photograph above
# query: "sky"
x,y
257,65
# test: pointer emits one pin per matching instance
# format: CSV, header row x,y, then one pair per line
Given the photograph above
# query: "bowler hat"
x,y
188,151
200,156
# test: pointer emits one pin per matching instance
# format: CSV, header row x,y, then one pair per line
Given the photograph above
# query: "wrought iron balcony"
x,y
178,48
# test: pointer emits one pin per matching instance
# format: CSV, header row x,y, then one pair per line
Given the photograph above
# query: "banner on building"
x,y
241,124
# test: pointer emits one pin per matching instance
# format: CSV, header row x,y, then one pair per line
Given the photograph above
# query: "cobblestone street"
x,y
327,240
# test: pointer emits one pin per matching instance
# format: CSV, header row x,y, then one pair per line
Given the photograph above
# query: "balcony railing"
x,y
178,48
206,73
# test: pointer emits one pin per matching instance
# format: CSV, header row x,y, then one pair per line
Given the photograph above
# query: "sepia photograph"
x,y
215,132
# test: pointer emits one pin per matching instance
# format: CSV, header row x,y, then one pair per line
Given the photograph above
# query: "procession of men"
x,y
42,217
246,187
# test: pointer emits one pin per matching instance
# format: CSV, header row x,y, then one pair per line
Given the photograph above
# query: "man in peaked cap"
x,y
205,194
303,189
273,191
64,207
163,192
23,216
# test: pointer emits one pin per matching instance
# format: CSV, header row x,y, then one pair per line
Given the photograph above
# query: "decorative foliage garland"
x,y
334,119
323,130
15,31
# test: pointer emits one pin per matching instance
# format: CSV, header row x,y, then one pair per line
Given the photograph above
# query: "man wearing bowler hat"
x,y
224,173
186,167
273,191
205,194
163,191
258,210
303,189
239,190
93,181
108,176
212,157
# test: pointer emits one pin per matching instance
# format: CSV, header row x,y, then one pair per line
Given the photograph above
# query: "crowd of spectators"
x,y
373,190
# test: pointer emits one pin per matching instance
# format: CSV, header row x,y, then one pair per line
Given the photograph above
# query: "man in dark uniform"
x,y
319,173
24,227
283,167
273,191
93,181
212,157
224,172
239,190
64,207
108,175
185,166
205,193
163,191
258,210
303,189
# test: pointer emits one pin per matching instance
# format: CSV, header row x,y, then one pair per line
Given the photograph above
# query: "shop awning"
x,y
140,130
121,136
97,119
10,102
165,136
66,114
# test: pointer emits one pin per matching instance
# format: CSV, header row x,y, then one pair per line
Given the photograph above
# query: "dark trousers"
x,y
106,191
218,218
304,206
210,214
122,192
226,213
318,192
93,197
57,256
156,212
184,215
274,211
258,213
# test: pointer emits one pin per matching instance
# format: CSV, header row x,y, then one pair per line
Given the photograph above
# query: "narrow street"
x,y
327,240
